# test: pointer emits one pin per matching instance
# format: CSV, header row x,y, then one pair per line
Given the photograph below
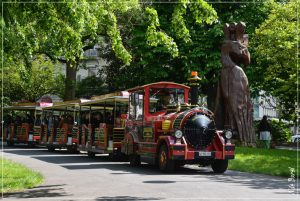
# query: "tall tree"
x,y
180,20
63,31
276,43
198,45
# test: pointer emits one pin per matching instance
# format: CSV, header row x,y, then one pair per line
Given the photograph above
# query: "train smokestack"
x,y
194,83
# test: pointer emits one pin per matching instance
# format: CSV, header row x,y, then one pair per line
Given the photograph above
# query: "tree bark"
x,y
70,82
215,104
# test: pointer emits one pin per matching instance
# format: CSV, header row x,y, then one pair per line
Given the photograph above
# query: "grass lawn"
x,y
17,177
266,161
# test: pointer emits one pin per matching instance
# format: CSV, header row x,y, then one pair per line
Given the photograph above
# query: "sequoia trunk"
x,y
70,82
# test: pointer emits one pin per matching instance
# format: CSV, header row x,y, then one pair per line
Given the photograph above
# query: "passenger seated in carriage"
x,y
95,123
109,118
84,124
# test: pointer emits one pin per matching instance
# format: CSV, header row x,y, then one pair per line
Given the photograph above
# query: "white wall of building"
x,y
264,105
90,65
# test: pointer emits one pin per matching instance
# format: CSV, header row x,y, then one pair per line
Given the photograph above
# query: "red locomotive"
x,y
163,129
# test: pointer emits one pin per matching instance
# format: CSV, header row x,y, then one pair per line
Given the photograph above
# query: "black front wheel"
x,y
165,164
219,166
134,160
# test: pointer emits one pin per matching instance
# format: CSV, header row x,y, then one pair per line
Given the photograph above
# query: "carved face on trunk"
x,y
238,53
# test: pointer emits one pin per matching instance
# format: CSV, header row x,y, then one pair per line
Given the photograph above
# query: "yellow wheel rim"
x,y
163,158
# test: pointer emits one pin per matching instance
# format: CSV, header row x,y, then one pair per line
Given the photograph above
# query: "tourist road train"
x,y
154,123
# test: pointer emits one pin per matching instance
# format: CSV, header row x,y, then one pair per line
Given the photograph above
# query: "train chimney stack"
x,y
194,83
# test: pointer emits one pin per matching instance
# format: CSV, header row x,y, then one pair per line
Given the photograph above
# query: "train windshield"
x,y
160,98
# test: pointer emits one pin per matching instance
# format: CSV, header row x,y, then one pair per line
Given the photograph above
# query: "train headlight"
x,y
228,134
178,134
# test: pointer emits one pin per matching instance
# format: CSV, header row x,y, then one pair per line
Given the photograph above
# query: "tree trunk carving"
x,y
233,99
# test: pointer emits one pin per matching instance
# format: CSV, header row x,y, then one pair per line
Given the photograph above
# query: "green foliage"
x,y
29,84
178,21
90,86
198,41
265,161
17,177
275,45
280,131
62,29
155,37
201,12
154,63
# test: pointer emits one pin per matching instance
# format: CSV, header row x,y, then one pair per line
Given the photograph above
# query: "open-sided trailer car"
x,y
64,132
106,136
16,132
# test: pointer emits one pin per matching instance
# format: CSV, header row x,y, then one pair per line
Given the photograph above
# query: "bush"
x,y
280,131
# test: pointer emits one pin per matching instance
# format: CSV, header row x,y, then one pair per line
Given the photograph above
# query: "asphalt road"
x,y
77,177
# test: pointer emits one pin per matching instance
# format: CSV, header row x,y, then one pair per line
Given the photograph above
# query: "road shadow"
x,y
82,162
144,169
255,181
114,198
65,159
36,151
43,191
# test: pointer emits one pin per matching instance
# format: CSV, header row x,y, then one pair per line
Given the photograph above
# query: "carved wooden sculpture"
x,y
233,88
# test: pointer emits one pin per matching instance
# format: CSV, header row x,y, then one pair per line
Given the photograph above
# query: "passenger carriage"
x,y
104,135
62,125
24,125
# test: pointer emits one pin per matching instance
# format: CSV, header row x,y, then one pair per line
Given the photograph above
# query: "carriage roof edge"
x,y
66,105
118,97
24,106
162,84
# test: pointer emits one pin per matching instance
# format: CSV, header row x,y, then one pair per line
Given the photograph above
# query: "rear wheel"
x,y
219,166
51,149
72,149
165,164
91,154
30,144
114,156
10,143
134,160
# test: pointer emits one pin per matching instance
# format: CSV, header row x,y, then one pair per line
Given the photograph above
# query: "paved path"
x,y
77,177
294,148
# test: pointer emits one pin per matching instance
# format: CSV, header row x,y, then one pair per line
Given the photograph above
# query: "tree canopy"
x,y
21,83
62,31
151,41
276,43
64,28
198,46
